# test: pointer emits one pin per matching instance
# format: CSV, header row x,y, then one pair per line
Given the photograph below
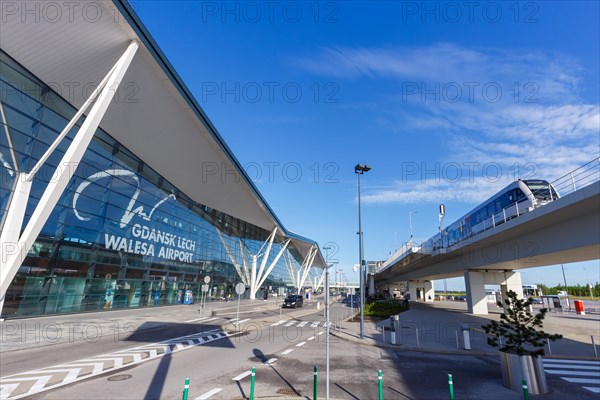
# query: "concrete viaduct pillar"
x,y
475,282
421,291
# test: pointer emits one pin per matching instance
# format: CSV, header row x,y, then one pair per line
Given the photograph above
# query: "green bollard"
x,y
315,385
450,386
252,384
525,390
186,388
380,380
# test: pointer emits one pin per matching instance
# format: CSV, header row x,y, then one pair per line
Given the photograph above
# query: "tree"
x,y
521,330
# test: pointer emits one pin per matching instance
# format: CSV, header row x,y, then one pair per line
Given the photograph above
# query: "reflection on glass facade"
x,y
120,236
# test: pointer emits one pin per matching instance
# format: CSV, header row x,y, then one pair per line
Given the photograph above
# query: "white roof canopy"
x,y
154,115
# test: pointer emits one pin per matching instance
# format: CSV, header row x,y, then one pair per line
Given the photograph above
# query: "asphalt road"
x,y
283,351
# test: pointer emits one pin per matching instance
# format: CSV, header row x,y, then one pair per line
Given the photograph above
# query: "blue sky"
x,y
448,102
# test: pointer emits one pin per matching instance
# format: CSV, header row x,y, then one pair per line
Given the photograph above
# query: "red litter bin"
x,y
579,307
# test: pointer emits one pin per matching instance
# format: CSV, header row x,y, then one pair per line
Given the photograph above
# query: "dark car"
x,y
293,301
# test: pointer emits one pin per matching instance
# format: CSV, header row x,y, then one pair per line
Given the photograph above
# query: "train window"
x,y
499,206
490,210
520,194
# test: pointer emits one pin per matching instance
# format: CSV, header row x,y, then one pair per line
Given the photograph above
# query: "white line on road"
x,y
288,351
315,324
300,344
579,367
242,321
583,380
209,394
290,324
592,389
301,324
558,361
242,376
211,319
570,372
311,338
320,333
197,319
270,361
278,322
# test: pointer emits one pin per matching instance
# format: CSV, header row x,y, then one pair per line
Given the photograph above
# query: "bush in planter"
x,y
520,329
522,344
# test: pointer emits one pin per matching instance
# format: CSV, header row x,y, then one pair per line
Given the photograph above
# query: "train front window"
x,y
541,190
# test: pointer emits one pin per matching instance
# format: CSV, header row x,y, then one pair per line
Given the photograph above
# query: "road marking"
x,y
583,380
233,319
98,366
41,381
311,338
210,319
6,390
576,371
25,385
197,319
288,351
242,376
290,324
209,394
301,324
592,389
315,324
327,324
570,372
300,344
559,361
279,322
241,322
592,367
270,361
320,333
71,373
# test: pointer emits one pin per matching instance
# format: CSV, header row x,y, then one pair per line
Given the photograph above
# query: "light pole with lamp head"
x,y
360,169
442,213
410,224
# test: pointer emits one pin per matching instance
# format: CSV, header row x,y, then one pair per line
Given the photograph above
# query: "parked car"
x,y
293,301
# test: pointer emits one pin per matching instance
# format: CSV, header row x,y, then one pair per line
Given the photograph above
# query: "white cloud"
x,y
540,122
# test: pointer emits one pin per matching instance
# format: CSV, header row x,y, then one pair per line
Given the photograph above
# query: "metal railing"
x,y
579,178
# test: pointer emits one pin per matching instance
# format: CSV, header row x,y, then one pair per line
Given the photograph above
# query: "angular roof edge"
x,y
144,35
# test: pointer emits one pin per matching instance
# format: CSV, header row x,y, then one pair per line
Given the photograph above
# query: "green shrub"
x,y
384,308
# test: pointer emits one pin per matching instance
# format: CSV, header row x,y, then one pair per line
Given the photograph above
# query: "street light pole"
x,y
327,329
566,287
410,223
442,213
360,169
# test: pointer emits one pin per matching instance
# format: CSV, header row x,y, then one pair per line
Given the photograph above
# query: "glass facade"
x,y
120,236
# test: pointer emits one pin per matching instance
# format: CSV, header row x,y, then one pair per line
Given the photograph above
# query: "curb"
x,y
371,342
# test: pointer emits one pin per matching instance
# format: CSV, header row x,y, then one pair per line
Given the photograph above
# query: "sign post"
x,y
240,288
281,294
204,290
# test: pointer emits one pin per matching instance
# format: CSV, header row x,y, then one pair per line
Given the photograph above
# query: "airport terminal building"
x,y
116,189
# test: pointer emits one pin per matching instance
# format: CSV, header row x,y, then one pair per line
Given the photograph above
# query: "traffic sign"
x,y
240,288
206,279
205,288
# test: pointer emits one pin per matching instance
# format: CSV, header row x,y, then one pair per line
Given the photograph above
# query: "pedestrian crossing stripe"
x,y
584,372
